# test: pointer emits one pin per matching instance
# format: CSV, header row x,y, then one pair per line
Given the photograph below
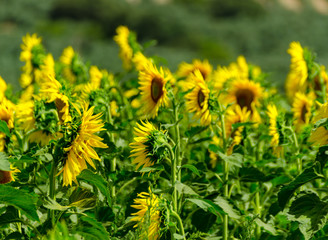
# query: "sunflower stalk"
x,y
113,161
52,189
178,160
177,217
173,176
225,171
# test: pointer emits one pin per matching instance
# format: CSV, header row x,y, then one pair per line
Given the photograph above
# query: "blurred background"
x,y
217,30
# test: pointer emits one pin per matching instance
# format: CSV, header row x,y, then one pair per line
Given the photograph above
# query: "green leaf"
x,y
4,163
205,205
10,216
194,131
52,204
19,199
252,174
234,159
192,168
91,229
4,128
266,226
96,180
203,220
226,207
178,236
306,176
311,213
184,189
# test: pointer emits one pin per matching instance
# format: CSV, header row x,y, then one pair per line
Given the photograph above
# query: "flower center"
x,y
200,98
245,97
303,113
5,177
156,89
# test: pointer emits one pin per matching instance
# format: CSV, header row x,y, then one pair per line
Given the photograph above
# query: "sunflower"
x,y
26,94
204,67
240,67
126,52
296,79
198,98
145,148
8,176
51,90
81,149
28,50
95,77
235,115
273,130
153,92
221,76
7,115
3,88
246,93
320,135
302,109
25,80
148,216
67,58
140,61
24,115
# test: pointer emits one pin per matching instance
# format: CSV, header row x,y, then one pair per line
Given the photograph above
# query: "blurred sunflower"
x,y
126,52
28,45
204,67
8,176
67,59
81,149
3,88
246,93
320,135
240,67
24,115
235,115
7,115
273,129
302,109
50,89
153,91
296,79
198,98
140,61
148,216
146,146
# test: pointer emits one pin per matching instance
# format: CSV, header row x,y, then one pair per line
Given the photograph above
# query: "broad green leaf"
x,y
91,229
226,207
157,167
178,236
82,198
306,176
203,220
19,199
15,235
194,131
252,174
52,204
4,128
203,205
267,227
184,189
311,207
10,216
192,168
4,163
234,159
95,180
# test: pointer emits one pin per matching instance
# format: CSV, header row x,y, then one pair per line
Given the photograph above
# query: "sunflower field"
x,y
147,153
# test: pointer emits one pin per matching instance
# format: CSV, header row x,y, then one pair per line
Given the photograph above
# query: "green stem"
x,y
299,160
113,161
182,232
258,211
226,173
173,176
178,160
52,189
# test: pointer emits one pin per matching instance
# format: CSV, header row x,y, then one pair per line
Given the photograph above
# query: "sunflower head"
x,y
69,59
8,176
204,67
298,74
275,129
148,217
82,141
32,50
246,93
153,89
126,51
302,109
147,148
198,98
